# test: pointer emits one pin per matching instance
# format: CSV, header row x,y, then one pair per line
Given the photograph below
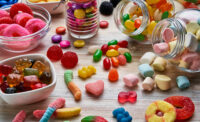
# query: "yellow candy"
x,y
159,64
151,26
82,74
129,25
172,45
150,2
192,27
112,53
86,72
34,1
53,0
168,110
183,64
65,113
88,10
92,68
79,13
163,82
79,43
89,71
198,34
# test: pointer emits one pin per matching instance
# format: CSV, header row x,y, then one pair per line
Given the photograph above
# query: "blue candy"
x,y
6,3
146,70
126,114
182,82
127,119
119,117
122,115
117,111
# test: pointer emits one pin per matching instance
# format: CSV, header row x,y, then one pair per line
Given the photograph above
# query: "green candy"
x,y
89,15
139,37
66,121
31,71
128,56
68,75
88,119
165,15
192,1
126,17
112,42
97,55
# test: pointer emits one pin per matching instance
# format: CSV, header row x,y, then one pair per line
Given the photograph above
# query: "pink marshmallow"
x,y
15,30
131,80
34,25
22,18
2,28
161,47
189,57
4,13
195,65
58,103
20,117
168,35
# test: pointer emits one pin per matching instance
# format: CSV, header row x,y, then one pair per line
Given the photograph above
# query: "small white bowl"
x,y
49,6
31,96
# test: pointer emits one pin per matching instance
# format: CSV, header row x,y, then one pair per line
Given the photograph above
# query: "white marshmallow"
x,y
148,84
163,82
147,58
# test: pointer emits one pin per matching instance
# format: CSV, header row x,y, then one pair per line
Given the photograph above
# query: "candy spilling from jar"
x,y
133,20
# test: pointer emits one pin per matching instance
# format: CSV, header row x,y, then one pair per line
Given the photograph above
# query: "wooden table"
x,y
107,102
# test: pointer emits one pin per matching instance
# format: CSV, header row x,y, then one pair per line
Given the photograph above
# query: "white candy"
x,y
92,49
148,84
192,27
147,58
191,42
163,82
123,50
134,17
157,15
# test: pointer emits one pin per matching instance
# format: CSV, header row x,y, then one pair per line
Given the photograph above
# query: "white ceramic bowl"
x,y
8,7
49,6
31,96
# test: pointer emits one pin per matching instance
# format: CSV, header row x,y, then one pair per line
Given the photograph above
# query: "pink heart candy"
x,y
95,88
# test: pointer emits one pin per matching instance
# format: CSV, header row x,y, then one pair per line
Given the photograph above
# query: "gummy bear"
x,y
30,80
14,79
45,78
130,96
21,64
40,66
5,69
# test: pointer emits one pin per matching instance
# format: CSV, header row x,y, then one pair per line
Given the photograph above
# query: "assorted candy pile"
x,y
19,22
27,74
158,10
42,1
6,3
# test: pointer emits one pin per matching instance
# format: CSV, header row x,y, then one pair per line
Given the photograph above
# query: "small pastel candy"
x,y
159,64
123,50
79,43
192,27
146,70
147,58
92,49
131,80
65,44
56,38
168,35
191,42
95,88
172,45
182,82
189,57
163,82
195,65
148,84
122,60
97,55
161,48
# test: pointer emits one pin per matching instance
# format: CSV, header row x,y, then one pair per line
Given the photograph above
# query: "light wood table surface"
x,y
107,102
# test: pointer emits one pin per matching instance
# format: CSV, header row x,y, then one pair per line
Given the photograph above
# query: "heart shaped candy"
x,y
95,88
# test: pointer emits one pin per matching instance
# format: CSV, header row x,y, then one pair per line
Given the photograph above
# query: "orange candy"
x,y
60,30
113,75
115,61
115,47
161,2
166,7
137,23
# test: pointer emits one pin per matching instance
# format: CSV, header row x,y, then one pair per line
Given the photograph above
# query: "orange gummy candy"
x,y
113,75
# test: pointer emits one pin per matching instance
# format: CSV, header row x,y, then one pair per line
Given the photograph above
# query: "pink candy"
x,y
34,25
95,88
161,47
4,13
168,35
2,27
130,96
189,57
122,59
58,103
20,117
22,18
130,80
195,65
15,30
39,113
65,44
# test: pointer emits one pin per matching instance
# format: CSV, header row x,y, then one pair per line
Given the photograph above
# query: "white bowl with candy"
x,y
26,79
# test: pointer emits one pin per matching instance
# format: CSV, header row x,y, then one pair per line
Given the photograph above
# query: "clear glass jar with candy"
x,y
137,18
178,39
82,18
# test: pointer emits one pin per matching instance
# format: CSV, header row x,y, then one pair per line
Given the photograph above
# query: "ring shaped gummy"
x,y
168,111
185,106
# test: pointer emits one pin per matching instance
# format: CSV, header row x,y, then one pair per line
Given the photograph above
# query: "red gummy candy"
x,y
184,106
104,48
123,43
55,53
6,20
106,63
130,96
20,117
30,80
20,7
4,86
5,69
69,59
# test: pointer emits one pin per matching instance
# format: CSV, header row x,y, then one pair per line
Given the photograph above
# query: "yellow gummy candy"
x,y
79,13
112,53
150,2
82,74
65,113
89,71
151,26
129,25
34,1
92,68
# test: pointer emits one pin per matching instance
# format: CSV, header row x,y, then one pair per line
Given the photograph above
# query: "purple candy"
x,y
56,38
65,44
76,6
87,5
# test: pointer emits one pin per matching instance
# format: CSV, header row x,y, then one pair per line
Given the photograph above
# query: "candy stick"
x,y
20,117
68,75
58,103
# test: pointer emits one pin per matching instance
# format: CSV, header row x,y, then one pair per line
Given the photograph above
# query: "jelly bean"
x,y
113,75
165,15
128,57
182,82
147,58
163,82
115,61
137,23
148,84
122,60
146,70
112,42
56,38
123,50
192,27
123,44
106,63
103,24
97,55
151,26
79,43
139,37
126,17
92,49
104,48
130,96
159,64
60,30
112,53
160,48
115,47
130,80
79,13
130,25
150,2
65,44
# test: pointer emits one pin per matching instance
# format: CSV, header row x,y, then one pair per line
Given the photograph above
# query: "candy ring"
x,y
160,111
185,106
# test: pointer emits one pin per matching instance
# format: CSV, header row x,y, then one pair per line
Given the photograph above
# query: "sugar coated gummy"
x,y
20,7
69,59
34,25
93,119
130,96
55,53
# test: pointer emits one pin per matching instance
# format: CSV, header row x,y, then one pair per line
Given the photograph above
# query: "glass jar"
x,y
82,18
137,18
178,39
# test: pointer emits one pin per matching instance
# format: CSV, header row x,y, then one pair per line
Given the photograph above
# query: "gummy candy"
x,y
31,71
97,55
113,75
20,117
104,48
6,20
130,25
55,53
22,18
34,25
14,79
86,72
5,69
137,23
30,80
93,119
106,64
121,115
40,66
69,59
95,88
115,61
20,7
15,30
21,64
46,77
130,96
185,107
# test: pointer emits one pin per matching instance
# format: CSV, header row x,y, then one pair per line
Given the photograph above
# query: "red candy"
x,y
104,24
184,106
30,80
20,7
22,18
69,59
6,20
115,47
115,61
122,59
20,117
104,48
4,86
123,43
106,63
130,96
5,69
113,75
37,86
137,23
60,30
55,53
